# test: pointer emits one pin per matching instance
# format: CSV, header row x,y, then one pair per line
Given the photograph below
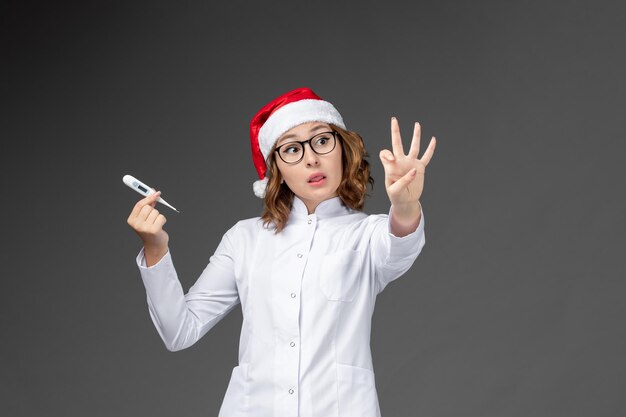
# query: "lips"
x,y
316,177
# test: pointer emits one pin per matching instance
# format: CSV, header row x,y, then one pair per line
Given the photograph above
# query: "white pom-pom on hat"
x,y
259,187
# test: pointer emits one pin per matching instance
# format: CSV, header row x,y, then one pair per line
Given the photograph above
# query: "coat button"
x,y
292,344
290,391
310,221
293,295
299,255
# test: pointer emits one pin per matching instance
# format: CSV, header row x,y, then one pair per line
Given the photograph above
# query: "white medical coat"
x,y
307,295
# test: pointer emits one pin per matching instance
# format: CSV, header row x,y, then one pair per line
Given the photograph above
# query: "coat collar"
x,y
327,208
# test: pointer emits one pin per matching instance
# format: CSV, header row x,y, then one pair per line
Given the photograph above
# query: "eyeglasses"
x,y
293,152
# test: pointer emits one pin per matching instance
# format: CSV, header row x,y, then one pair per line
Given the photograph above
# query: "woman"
x,y
307,272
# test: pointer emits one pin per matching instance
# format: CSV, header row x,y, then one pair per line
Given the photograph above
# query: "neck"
x,y
311,205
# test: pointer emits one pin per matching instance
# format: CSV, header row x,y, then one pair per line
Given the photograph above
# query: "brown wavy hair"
x,y
352,189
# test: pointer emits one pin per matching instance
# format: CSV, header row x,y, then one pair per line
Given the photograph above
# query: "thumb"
x,y
405,180
155,196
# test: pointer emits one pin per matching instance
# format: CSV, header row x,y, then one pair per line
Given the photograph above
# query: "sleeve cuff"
x,y
141,260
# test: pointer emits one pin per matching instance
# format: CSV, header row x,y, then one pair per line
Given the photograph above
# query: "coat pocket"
x,y
237,394
357,392
340,275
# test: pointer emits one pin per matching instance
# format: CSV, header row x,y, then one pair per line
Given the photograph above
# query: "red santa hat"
x,y
291,109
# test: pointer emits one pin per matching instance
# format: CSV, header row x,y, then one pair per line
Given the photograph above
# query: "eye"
x,y
322,141
291,149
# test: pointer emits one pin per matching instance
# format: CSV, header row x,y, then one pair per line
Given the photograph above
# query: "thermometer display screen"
x,y
142,189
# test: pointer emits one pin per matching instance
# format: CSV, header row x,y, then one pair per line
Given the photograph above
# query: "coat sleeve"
x,y
182,319
392,256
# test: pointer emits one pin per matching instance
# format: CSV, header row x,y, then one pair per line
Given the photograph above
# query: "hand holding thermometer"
x,y
143,189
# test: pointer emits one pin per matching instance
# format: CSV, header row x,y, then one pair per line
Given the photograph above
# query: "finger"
x,y
143,202
160,221
396,140
387,159
404,181
153,200
386,156
428,153
144,213
415,143
152,216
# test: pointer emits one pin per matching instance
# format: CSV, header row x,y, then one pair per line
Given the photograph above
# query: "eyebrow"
x,y
313,129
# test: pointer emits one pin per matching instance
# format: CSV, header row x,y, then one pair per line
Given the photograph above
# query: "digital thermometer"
x,y
143,189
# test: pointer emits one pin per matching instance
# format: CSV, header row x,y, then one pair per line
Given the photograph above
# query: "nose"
x,y
310,157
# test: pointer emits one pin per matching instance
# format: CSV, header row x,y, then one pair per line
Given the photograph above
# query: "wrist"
x,y
154,253
407,210
404,219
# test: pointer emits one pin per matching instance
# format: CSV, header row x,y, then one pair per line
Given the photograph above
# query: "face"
x,y
316,177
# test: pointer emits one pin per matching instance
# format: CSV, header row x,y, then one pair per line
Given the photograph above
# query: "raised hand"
x,y
404,174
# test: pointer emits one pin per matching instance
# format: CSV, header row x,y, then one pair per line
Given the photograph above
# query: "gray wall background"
x,y
515,306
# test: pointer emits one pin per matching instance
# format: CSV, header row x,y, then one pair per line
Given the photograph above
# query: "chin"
x,y
317,195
